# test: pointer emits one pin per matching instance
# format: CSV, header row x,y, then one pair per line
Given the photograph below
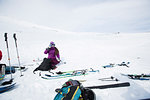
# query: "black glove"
x,y
48,49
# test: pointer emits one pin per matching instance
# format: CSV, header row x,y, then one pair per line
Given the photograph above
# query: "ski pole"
x,y
8,53
17,52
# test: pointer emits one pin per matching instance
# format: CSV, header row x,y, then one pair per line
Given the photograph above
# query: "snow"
x,y
80,50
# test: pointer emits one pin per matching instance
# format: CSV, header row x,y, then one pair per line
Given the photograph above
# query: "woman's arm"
x,y
46,51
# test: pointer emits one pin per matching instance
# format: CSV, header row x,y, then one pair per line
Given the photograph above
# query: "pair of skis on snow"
x,y
126,64
76,73
68,74
138,77
130,76
85,72
80,72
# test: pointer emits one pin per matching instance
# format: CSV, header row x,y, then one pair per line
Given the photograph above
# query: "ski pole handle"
x,y
15,36
5,36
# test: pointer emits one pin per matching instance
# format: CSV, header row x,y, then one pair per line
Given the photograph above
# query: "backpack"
x,y
68,93
73,90
88,94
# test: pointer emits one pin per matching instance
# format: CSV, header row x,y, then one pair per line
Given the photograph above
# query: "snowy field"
x,y
79,51
86,34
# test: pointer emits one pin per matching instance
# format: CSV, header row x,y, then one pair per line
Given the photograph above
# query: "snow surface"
x,y
79,51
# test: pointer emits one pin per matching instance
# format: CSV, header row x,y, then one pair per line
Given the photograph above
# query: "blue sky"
x,y
82,15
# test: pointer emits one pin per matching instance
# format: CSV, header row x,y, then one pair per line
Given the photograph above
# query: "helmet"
x,y
52,44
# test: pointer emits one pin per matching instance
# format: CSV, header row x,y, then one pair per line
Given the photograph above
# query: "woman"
x,y
52,60
53,54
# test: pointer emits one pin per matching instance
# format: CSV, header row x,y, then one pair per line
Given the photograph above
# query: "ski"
x,y
109,66
58,75
68,74
7,85
64,76
71,73
125,84
138,77
114,65
92,70
82,70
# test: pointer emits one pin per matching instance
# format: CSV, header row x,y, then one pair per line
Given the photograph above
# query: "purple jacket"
x,y
52,54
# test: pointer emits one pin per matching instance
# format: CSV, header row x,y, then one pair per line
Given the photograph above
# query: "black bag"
x,y
88,94
45,65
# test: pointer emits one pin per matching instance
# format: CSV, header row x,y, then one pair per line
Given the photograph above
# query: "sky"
x,y
103,16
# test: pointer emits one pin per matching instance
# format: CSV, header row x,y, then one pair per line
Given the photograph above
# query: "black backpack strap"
x,y
71,93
